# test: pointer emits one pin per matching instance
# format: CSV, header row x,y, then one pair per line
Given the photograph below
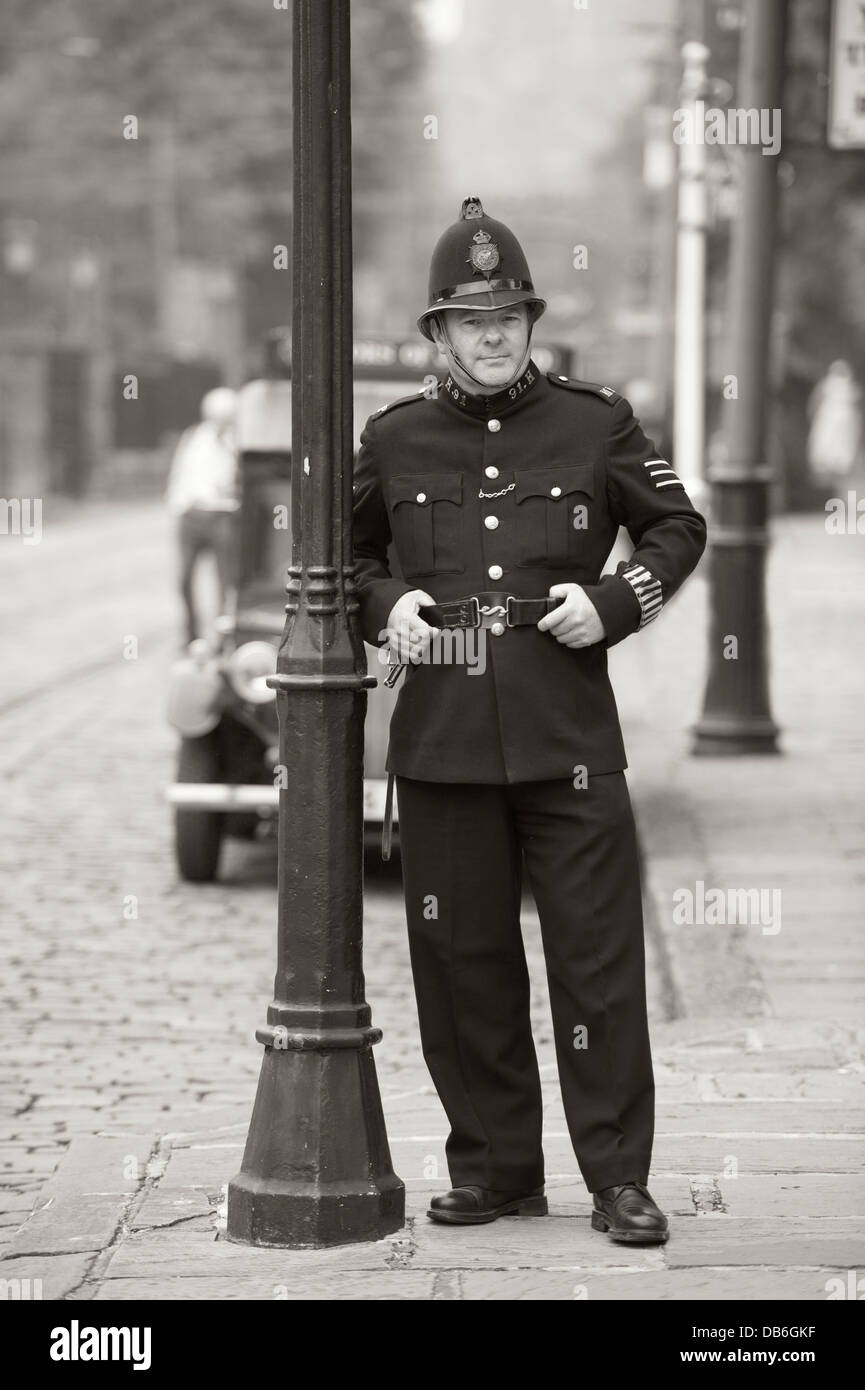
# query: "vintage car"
x,y
219,701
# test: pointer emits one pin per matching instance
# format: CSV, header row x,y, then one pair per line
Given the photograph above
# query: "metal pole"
x,y
317,1169
689,401
736,714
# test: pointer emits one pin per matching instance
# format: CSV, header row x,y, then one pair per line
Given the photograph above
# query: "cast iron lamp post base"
x,y
269,1197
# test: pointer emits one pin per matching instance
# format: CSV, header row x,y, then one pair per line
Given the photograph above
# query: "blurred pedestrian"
x,y
835,436
202,494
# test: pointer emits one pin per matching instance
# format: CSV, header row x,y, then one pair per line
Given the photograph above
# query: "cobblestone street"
x,y
130,999
142,991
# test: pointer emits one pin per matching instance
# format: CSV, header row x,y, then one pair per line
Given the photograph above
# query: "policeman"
x,y
503,492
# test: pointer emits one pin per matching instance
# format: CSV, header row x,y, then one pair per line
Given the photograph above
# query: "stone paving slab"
x,y
183,1249
782,1241
167,1205
107,1165
724,1114
709,1154
59,1275
18,1196
717,1036
721,1116
835,1196
502,1285
519,1242
203,1166
677,1153
66,1225
552,1242
801,999
81,1206
800,1061
846,1086
399,1286
677,1285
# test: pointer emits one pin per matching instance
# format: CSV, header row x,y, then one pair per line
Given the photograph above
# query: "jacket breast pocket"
x,y
427,520
552,512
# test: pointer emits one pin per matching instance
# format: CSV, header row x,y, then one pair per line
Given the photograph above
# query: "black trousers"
x,y
463,847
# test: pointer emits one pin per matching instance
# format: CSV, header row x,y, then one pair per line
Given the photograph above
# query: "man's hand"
x,y
408,636
575,623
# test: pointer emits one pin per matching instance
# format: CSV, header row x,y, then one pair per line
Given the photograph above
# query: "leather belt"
x,y
483,610
475,611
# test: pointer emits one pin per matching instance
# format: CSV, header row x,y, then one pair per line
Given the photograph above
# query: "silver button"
x,y
554,492
491,471
494,426
497,629
495,571
421,497
491,522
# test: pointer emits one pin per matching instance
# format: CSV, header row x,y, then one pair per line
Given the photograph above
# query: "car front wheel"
x,y
198,834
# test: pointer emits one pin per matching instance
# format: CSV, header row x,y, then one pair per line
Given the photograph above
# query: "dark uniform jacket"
x,y
573,465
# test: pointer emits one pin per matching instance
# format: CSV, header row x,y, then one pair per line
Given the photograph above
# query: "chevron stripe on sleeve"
x,y
662,474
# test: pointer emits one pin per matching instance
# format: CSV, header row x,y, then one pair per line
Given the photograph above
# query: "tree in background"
x,y
208,176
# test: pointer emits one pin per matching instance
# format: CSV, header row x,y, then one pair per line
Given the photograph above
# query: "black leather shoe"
x,y
470,1206
628,1213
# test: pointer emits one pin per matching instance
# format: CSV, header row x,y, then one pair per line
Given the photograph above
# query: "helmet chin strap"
x,y
454,355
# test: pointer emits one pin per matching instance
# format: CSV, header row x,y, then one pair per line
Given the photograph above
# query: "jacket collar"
x,y
485,407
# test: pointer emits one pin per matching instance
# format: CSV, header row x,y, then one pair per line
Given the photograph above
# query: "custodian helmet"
x,y
478,264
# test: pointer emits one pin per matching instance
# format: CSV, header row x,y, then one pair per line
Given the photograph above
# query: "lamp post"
x,y
736,715
316,1169
689,409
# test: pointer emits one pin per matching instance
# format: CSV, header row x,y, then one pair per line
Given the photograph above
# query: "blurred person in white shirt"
x,y
835,436
202,494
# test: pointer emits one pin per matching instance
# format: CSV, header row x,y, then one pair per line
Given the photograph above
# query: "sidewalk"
x,y
759,1063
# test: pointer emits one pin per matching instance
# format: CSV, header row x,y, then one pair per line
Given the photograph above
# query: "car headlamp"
x,y
248,668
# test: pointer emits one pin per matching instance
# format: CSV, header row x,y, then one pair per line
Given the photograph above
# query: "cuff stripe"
x,y
648,591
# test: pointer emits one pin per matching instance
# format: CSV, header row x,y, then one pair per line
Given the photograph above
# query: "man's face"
x,y
491,342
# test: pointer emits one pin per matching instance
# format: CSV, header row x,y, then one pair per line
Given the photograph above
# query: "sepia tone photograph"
x,y
432,458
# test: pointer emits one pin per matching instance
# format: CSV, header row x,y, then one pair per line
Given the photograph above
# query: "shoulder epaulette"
x,y
606,393
403,400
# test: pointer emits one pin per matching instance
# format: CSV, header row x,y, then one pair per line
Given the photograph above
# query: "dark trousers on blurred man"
x,y
201,531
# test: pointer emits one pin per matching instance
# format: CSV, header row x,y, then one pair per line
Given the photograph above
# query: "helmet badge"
x,y
484,255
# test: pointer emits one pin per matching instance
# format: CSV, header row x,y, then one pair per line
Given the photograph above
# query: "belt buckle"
x,y
510,600
477,618
491,614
